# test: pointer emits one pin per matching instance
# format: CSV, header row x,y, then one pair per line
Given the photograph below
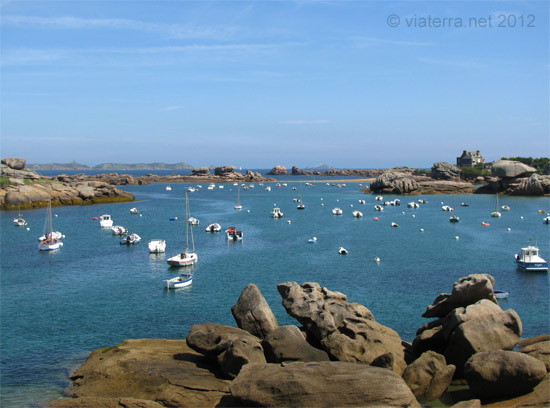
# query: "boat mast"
x,y
186,223
50,216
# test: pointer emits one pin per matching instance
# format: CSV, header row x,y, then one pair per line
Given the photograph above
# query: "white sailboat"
x,y
50,242
454,218
19,221
238,206
496,213
189,257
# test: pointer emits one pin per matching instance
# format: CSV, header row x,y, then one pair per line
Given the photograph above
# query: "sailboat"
x,y
188,257
19,221
238,206
454,218
301,206
496,213
50,242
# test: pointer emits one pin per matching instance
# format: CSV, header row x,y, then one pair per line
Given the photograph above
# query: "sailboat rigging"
x,y
50,241
496,213
454,218
189,257
238,206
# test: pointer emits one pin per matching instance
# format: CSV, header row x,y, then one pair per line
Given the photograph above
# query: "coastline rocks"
x,y
322,384
278,171
429,376
407,183
511,169
394,183
223,171
6,171
201,171
14,163
229,347
253,314
499,373
468,290
445,171
287,343
539,350
534,185
444,187
346,331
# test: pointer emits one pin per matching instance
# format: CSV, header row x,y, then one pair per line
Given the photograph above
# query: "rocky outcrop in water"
x,y
278,171
408,183
445,171
223,366
512,169
534,185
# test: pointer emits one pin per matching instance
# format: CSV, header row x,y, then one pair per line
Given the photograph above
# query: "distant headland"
x,y
109,166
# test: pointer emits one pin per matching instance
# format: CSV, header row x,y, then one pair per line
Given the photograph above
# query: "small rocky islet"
x,y
470,355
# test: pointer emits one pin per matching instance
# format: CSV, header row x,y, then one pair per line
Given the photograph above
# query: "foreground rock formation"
x,y
28,189
340,357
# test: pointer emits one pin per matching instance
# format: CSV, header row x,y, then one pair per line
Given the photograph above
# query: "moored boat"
x,y
105,221
131,239
233,235
337,211
179,281
500,294
528,259
50,241
187,257
277,213
357,214
214,227
157,246
119,230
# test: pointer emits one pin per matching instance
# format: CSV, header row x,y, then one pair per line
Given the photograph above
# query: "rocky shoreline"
x,y
338,356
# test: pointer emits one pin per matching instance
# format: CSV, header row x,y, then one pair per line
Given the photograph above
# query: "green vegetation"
x,y
473,172
538,163
4,181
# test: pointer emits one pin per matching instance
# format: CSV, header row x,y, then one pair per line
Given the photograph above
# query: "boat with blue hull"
x,y
529,259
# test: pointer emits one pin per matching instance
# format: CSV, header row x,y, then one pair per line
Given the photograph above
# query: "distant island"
x,y
110,166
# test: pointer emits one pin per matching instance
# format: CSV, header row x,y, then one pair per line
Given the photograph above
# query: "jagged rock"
x,y
540,351
278,171
445,171
230,347
474,403
483,333
253,176
253,314
347,331
287,343
429,376
224,170
201,171
444,187
14,163
531,186
511,169
394,183
100,402
321,384
6,171
466,291
500,373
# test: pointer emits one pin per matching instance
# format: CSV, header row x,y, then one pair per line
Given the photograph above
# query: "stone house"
x,y
470,159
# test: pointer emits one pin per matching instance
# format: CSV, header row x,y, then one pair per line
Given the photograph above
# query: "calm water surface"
x,y
57,307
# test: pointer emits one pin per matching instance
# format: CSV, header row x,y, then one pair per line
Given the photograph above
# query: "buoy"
x,y
376,219
521,217
141,215
414,216
509,229
421,229
247,211
28,229
56,215
377,260
457,237
288,221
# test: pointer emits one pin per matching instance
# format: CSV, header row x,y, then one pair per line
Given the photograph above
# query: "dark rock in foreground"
x,y
321,384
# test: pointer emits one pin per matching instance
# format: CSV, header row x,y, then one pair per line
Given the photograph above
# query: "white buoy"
x,y
56,215
414,216
377,260
509,229
421,229
28,229
521,217
288,221
247,211
141,215
351,205
457,237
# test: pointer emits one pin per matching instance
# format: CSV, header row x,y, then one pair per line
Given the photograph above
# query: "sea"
x,y
56,307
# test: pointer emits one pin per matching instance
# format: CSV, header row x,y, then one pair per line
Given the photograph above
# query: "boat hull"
x,y
185,259
179,281
532,266
50,246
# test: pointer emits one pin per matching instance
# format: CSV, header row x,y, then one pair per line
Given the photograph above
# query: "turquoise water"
x,y
57,307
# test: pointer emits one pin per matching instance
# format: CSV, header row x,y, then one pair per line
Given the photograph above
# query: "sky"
x,y
254,84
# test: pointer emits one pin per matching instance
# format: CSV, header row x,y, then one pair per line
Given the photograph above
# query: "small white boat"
x,y
342,251
214,227
168,188
379,198
52,234
361,201
378,207
276,213
157,246
131,239
211,186
500,294
447,208
496,213
422,201
529,259
187,257
238,206
412,204
134,210
50,242
119,230
546,220
233,235
312,240
268,188
105,221
193,221
337,211
357,214
505,208
191,189
19,221
394,225
377,260
179,281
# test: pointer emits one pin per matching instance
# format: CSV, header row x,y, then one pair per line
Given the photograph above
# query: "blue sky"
x,y
257,84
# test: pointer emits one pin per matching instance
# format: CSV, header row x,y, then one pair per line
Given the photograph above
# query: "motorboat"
x,y
19,221
361,201
268,188
377,259
276,213
337,211
546,220
134,210
312,240
179,281
214,227
157,246
191,189
50,241
505,208
105,221
422,201
301,206
188,257
412,204
378,207
529,259
211,186
357,214
485,224
342,251
131,239
193,221
379,198
51,234
464,204
500,294
394,225
168,188
119,230
447,208
233,234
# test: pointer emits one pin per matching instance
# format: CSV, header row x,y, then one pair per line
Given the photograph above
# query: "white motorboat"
x,y
500,294
119,230
379,198
157,246
49,241
361,201
179,281
211,186
134,210
378,207
277,213
447,208
342,251
52,234
394,225
268,188
529,259
233,235
19,221
546,220
337,211
168,188
189,257
357,214
312,240
214,227
505,208
105,221
130,239
193,221
412,204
